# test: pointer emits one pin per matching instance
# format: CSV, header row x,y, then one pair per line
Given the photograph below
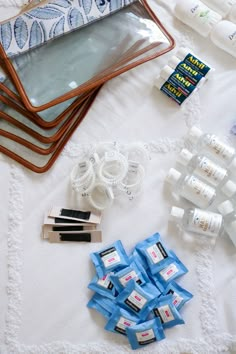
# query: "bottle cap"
x,y
176,214
226,208
182,52
232,234
159,82
173,62
184,157
232,166
166,72
229,188
194,134
173,176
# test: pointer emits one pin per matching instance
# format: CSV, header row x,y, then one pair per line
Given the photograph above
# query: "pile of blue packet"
x,y
137,294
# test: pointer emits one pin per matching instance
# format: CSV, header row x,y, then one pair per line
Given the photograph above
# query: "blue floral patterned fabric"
x,y
46,22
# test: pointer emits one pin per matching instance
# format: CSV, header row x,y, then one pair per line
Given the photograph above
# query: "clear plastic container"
x,y
204,168
227,210
223,36
191,188
212,146
197,15
198,221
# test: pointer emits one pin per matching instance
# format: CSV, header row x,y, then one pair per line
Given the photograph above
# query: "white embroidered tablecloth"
x,y
44,286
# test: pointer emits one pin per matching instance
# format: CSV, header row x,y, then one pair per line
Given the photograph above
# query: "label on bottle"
x,y
182,84
219,149
122,324
196,64
173,92
200,15
205,223
136,301
145,337
198,192
193,76
210,171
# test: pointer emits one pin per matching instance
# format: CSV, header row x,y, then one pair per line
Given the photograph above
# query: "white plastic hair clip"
x,y
112,168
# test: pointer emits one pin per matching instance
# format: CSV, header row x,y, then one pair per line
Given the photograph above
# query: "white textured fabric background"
x,y
44,286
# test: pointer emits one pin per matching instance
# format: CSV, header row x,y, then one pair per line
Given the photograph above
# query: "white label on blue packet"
x,y
145,336
177,299
127,277
169,271
165,313
156,252
110,257
124,322
136,301
105,281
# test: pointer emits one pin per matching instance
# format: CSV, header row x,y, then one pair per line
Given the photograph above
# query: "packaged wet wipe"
x,y
134,298
155,253
145,333
92,304
120,320
138,259
151,289
169,273
121,278
179,295
103,286
167,312
104,302
111,258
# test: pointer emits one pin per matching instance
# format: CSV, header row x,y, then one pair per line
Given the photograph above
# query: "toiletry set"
x,y
183,76
213,18
208,173
138,294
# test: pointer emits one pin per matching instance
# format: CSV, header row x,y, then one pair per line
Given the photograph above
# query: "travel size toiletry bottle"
x,y
192,75
223,7
188,57
191,188
200,221
212,146
227,210
223,36
197,15
232,14
176,78
203,167
172,90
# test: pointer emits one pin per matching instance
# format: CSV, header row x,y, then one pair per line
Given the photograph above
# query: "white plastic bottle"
x,y
227,210
212,146
199,221
197,15
223,7
223,36
232,14
187,56
203,167
191,188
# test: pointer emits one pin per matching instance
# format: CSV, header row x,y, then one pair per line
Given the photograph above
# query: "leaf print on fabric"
x,y
87,5
41,23
61,3
36,36
115,5
75,19
45,13
21,32
6,35
57,28
102,4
